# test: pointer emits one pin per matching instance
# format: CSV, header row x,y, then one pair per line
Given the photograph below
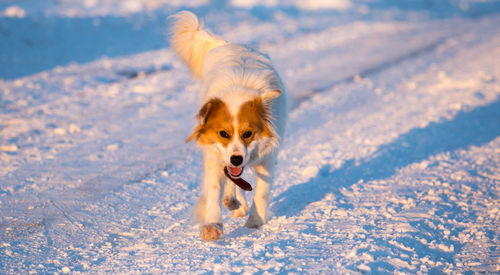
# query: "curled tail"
x,y
190,41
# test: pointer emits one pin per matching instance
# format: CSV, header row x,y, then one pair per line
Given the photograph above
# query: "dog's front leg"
x,y
230,201
241,211
211,227
258,212
234,200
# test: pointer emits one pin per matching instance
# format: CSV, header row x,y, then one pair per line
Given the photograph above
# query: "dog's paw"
x,y
240,212
254,221
211,232
231,203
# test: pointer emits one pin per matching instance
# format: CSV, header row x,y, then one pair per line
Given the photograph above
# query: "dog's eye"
x,y
247,134
224,134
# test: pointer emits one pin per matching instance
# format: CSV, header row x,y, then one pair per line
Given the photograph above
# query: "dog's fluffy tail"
x,y
190,41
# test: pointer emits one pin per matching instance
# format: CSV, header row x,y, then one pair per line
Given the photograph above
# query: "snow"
x,y
390,163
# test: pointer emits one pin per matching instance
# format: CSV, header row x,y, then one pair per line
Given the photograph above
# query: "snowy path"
x,y
391,161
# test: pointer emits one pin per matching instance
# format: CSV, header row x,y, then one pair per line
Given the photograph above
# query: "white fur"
x,y
235,74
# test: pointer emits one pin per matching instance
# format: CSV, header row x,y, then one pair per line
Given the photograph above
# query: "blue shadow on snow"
x,y
467,128
34,44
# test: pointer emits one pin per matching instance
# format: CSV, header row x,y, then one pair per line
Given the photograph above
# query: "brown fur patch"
x,y
214,117
253,117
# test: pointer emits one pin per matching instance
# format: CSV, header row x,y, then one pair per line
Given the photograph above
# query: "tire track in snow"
x,y
379,68
409,41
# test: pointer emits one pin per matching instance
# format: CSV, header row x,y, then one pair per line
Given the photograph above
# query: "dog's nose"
x,y
236,160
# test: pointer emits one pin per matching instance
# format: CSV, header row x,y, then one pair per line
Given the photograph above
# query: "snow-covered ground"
x,y
391,162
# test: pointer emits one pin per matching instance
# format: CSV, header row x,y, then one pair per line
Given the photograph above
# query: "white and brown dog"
x,y
241,120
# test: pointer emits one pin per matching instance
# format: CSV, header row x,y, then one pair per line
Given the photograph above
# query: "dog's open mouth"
x,y
234,172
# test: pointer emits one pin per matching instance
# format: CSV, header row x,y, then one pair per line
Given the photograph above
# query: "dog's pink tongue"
x,y
234,171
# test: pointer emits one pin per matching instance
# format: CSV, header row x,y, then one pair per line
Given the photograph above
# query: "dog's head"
x,y
238,126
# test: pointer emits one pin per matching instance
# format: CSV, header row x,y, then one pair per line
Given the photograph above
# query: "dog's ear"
x,y
205,110
203,116
196,133
269,96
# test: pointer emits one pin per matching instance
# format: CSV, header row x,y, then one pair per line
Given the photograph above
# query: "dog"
x,y
240,123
